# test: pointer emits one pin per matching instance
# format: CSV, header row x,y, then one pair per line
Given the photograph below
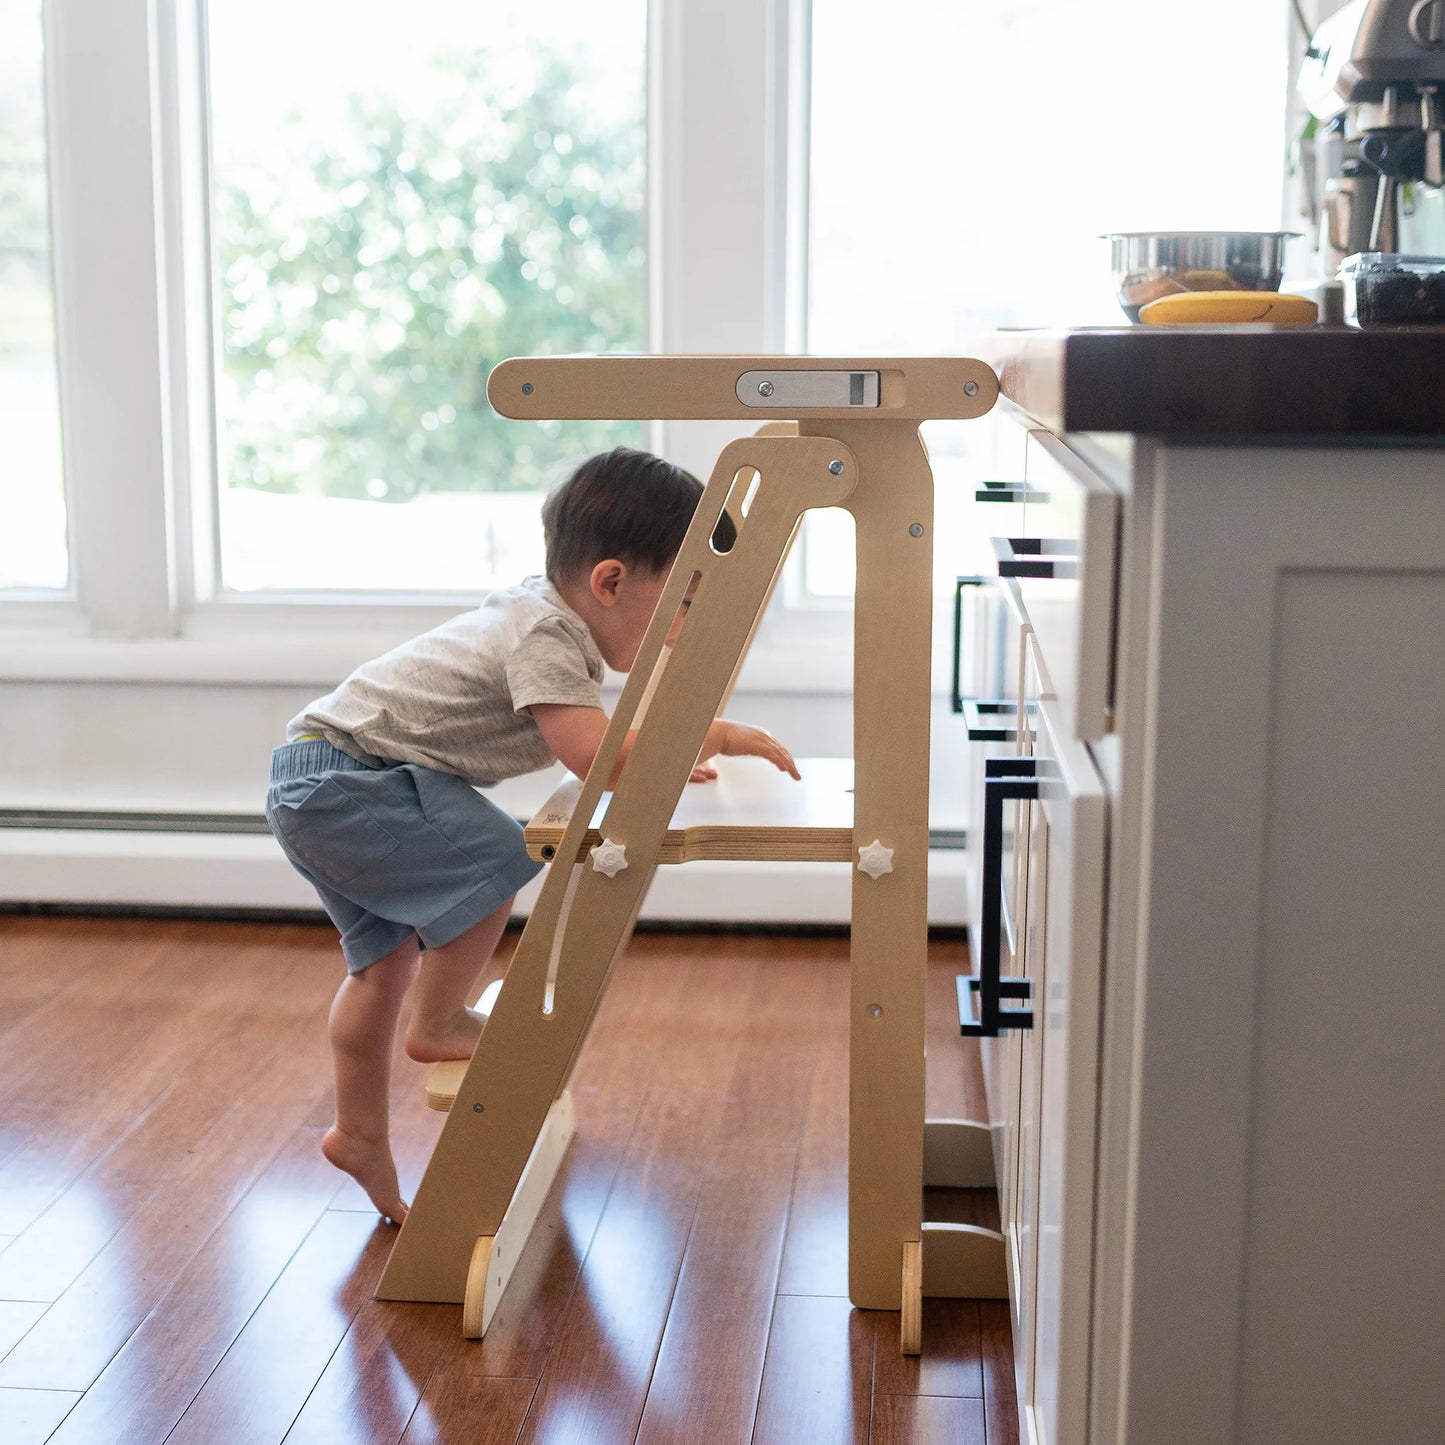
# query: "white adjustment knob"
x,y
609,857
875,860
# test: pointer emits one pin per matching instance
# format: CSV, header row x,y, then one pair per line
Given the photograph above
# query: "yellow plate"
x,y
1213,308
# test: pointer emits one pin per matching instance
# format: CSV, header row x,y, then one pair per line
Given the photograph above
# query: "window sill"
x,y
294,646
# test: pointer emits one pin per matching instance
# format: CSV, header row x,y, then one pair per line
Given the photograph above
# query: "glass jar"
x,y
1383,288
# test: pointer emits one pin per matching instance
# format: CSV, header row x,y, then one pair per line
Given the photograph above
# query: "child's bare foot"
x,y
429,1041
371,1165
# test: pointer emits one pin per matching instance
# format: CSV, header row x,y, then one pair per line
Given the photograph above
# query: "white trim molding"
x,y
247,871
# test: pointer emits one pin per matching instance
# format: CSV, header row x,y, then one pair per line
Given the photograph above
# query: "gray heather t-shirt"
x,y
453,698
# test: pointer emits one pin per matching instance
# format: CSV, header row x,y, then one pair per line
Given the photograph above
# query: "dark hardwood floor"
x,y
178,1263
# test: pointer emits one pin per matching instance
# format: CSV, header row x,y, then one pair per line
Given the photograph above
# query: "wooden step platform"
x,y
442,1082
750,813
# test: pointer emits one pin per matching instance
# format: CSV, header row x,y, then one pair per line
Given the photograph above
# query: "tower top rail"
x,y
746,387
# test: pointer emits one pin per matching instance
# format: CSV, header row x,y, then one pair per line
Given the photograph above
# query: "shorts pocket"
x,y
332,834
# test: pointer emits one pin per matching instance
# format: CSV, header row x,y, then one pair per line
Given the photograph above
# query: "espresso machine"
x,y
1374,80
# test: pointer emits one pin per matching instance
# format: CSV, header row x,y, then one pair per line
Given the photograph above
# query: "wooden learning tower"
x,y
838,432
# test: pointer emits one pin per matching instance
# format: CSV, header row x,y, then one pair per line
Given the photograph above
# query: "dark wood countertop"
x,y
1228,381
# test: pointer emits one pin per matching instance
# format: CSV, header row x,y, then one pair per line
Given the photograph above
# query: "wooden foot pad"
x,y
911,1315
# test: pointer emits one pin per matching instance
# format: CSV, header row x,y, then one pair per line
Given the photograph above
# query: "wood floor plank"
x,y
1000,1401
81,1085
927,1420
818,1376
81,1036
27,980
952,1358
473,1409
815,1251
595,1381
704,1037
88,1324
260,1386
374,1380
767,1098
961,1206
710,1365
97,1205
28,1417
71,1081
162,1366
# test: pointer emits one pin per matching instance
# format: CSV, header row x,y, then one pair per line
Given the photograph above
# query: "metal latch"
x,y
787,390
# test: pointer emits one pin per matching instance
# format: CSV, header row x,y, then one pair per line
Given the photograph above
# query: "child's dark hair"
x,y
625,504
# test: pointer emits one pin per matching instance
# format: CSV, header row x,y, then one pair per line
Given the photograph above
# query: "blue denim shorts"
x,y
392,851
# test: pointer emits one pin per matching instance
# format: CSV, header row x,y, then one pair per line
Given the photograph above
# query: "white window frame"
x,y
727,113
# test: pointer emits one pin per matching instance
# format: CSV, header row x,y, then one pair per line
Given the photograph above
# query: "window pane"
x,y
397,208
32,494
991,148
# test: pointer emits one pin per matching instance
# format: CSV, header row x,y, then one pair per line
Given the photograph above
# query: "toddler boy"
x,y
372,795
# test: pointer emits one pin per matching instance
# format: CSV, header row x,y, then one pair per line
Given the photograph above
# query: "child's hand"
x,y
734,740
702,774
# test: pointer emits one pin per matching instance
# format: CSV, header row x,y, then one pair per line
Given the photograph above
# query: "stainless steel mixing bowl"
x,y
1151,264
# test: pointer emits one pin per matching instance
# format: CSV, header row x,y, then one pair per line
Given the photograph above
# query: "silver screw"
x,y
526,388
477,1109
765,388
874,1012
836,468
916,530
970,388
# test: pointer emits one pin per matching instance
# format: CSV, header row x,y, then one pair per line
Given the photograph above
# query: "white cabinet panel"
x,y
1347,1140
1066,963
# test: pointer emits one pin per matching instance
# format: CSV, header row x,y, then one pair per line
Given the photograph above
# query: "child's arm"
x,y
575,733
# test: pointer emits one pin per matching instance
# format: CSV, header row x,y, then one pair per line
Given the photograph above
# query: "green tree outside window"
x,y
368,284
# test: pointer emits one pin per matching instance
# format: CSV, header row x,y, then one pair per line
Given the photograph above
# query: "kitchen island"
x,y
1221,1143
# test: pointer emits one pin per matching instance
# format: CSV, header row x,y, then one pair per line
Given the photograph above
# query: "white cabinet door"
x,y
1071,516
1031,858
1065,962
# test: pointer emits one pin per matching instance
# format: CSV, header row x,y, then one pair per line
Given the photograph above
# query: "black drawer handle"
x,y
992,720
1046,557
1010,492
1004,778
958,585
